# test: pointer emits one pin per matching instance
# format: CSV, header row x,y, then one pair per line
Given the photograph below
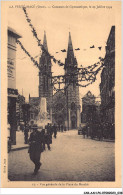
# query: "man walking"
x,y
35,148
55,130
48,139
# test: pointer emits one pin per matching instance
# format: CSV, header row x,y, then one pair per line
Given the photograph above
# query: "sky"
x,y
87,26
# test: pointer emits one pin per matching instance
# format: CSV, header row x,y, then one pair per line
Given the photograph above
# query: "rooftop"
x,y
14,33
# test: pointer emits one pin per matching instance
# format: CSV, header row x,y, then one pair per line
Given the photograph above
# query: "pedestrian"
x,y
26,133
35,147
87,133
50,133
99,132
43,138
51,130
92,131
62,128
55,130
65,128
80,130
59,128
84,131
48,139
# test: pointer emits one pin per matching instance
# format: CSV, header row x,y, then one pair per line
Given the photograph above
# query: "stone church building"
x,y
63,107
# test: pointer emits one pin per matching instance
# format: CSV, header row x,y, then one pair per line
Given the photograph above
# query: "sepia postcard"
x,y
61,94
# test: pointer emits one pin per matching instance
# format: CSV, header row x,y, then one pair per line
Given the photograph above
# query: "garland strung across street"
x,y
32,59
81,74
77,75
38,40
41,45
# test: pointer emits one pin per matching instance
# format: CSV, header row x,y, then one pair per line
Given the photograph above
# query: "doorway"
x,y
73,122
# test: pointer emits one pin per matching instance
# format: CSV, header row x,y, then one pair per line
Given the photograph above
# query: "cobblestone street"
x,y
71,158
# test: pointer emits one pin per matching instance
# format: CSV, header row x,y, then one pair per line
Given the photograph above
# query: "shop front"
x,y
12,91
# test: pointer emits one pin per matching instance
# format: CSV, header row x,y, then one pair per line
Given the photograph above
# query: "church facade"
x,y
72,89
63,107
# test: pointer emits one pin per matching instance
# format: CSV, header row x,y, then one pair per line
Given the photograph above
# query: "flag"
x,y
54,60
64,50
51,56
77,49
92,47
28,20
99,48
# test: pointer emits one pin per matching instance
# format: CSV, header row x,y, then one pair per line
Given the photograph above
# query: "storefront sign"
x,y
11,69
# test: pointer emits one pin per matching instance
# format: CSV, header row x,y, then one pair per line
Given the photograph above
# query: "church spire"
x,y
45,42
70,52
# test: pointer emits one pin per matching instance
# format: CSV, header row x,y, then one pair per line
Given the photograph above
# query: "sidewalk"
x,y
103,140
19,142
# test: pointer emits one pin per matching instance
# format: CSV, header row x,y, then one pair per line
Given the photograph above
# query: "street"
x,y
71,158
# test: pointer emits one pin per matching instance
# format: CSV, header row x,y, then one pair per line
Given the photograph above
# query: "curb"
x,y
105,140
21,148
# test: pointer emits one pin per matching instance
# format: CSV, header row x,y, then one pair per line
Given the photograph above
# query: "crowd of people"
x,y
99,130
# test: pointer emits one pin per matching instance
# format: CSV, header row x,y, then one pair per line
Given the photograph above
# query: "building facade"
x,y
63,107
90,109
107,85
59,106
12,91
19,112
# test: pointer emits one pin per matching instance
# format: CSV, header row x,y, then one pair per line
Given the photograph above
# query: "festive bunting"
x,y
99,48
38,40
85,74
64,50
92,47
77,49
32,59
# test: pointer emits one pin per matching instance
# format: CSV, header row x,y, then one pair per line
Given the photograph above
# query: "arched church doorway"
x,y
59,119
73,122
